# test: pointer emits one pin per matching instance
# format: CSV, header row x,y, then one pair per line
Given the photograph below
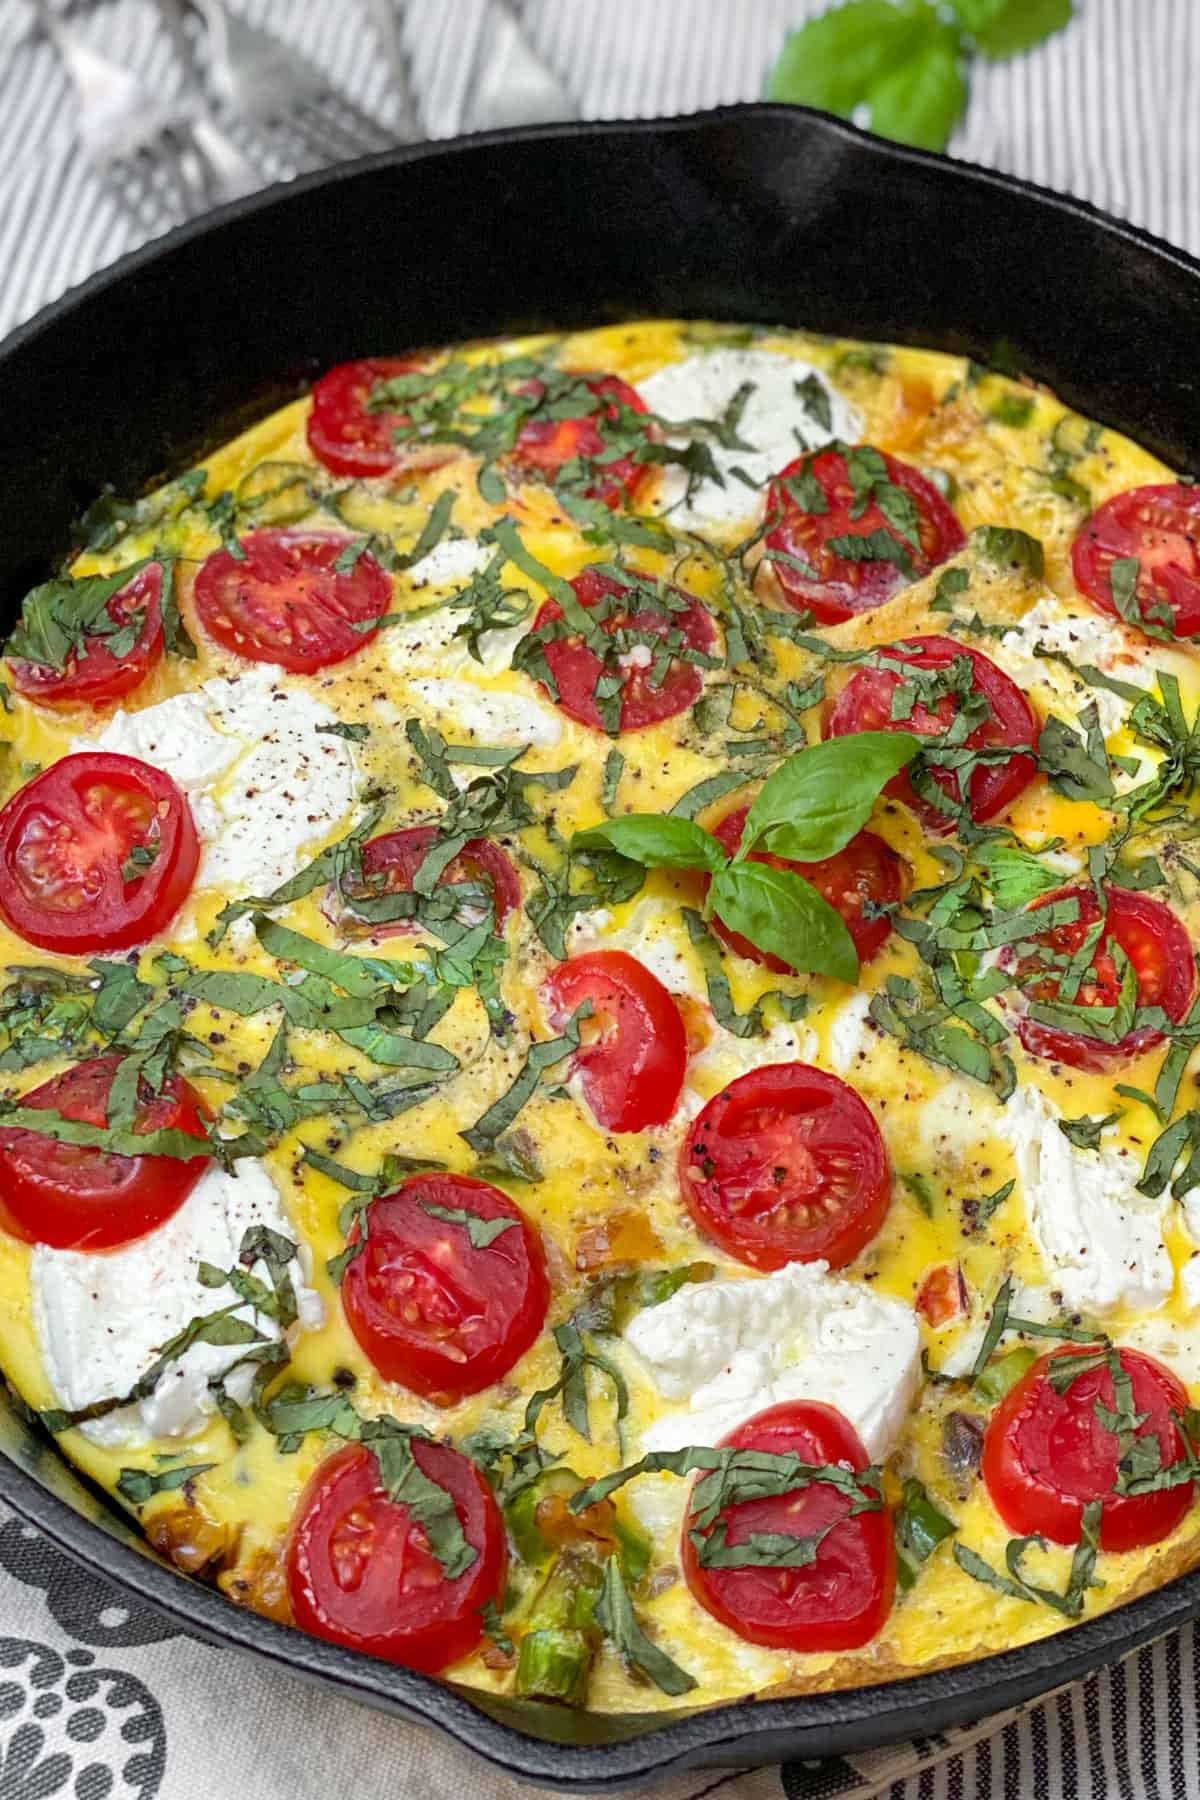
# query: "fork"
x,y
162,160
265,79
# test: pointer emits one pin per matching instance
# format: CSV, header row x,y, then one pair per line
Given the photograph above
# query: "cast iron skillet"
x,y
751,213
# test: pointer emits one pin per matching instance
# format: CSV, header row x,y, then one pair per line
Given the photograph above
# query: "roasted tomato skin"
x,y
839,587
866,871
1158,946
75,1197
865,702
839,1601
433,1311
285,601
543,446
67,881
97,676
361,1571
632,1073
390,865
576,668
786,1164
343,433
1046,1455
1159,525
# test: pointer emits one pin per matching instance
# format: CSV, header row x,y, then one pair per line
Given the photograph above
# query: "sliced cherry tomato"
x,y
544,445
784,1165
1160,525
96,674
576,666
942,1295
1151,936
634,1054
841,586
390,865
362,1572
866,871
284,601
97,853
865,704
74,1197
1045,1455
839,1600
434,1311
349,438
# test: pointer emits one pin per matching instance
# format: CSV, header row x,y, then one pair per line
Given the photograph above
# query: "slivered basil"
x,y
139,1485
615,1616
542,1056
481,1232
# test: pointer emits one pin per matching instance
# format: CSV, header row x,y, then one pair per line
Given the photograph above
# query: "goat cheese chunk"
x,y
427,643
493,715
265,787
731,1348
1081,638
779,402
102,1319
1101,1241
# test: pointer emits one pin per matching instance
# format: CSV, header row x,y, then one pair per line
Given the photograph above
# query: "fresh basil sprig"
x,y
808,810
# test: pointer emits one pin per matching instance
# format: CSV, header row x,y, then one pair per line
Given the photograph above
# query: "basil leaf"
x,y
817,800
1084,1133
139,1485
784,915
542,1056
58,617
1003,28
481,1232
1015,876
426,1503
615,1616
919,1529
120,996
706,793
657,842
1007,547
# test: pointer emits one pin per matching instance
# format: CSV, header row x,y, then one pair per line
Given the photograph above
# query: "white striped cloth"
x,y
1107,110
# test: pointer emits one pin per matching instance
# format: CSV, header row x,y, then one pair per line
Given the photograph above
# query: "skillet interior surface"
x,y
751,213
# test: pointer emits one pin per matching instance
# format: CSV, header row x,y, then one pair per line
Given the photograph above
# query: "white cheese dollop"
x,y
1101,1241
427,643
851,1037
264,786
491,715
102,1318
702,387
732,1348
654,934
1084,638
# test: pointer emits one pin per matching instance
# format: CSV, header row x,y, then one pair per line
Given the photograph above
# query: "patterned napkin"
x,y
104,1700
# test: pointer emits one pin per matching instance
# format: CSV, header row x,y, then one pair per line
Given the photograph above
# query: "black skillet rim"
x,y
824,1724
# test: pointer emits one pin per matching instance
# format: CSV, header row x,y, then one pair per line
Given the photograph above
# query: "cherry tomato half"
x,y
284,601
865,704
577,668
544,445
74,1197
784,1165
1045,1455
362,1572
840,585
1160,525
434,1311
96,674
349,438
842,1598
1153,939
634,1054
390,865
866,871
96,853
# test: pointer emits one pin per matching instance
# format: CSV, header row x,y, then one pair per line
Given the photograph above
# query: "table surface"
x,y
103,1701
